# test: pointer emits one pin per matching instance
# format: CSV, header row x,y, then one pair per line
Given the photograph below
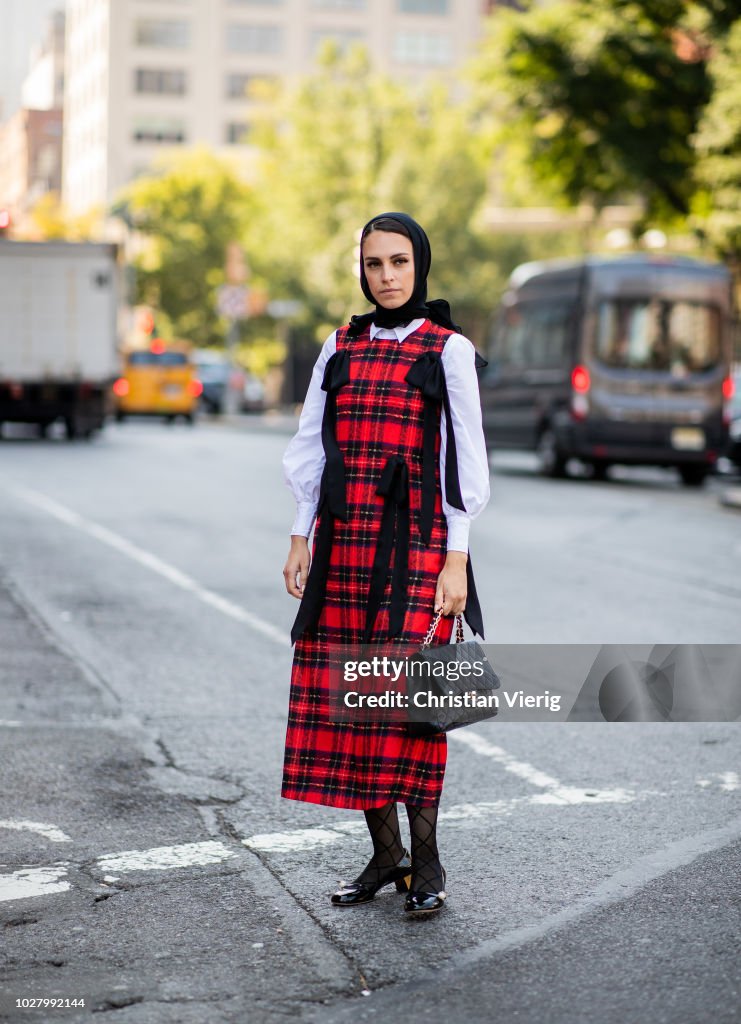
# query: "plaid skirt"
x,y
366,764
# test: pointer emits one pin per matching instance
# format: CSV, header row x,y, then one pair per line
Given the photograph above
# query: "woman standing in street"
x,y
390,458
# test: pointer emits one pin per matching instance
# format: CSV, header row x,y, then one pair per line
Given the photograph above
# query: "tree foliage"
x,y
602,99
187,213
718,144
50,220
348,144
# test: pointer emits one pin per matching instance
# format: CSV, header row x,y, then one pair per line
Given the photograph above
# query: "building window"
x,y
344,39
422,48
162,82
340,5
237,133
257,39
171,35
423,6
159,130
241,86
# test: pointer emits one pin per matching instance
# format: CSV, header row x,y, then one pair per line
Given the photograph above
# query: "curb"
x,y
731,498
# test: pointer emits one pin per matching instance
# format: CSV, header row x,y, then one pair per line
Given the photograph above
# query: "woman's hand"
x,y
296,569
452,585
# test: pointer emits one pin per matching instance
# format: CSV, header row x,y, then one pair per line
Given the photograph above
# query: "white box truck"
x,y
59,306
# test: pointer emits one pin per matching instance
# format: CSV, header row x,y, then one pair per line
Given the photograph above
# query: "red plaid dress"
x,y
378,415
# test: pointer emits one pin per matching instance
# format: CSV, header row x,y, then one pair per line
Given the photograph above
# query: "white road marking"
x,y
577,795
620,886
152,562
51,832
29,882
7,723
728,780
301,839
162,858
298,839
553,791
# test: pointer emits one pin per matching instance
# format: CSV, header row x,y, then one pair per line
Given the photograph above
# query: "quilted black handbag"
x,y
441,695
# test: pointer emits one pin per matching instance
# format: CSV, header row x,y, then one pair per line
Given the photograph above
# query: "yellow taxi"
x,y
158,380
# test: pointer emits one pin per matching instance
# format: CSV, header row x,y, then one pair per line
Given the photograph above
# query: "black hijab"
x,y
436,310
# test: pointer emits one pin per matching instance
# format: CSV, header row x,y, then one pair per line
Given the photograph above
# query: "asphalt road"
x,y
149,865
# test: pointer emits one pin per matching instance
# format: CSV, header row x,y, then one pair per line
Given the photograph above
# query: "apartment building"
x,y
43,86
31,139
21,26
145,75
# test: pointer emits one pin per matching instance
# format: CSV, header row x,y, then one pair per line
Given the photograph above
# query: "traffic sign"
x,y
232,301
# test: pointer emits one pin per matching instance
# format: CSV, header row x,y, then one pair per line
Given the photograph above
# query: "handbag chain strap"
x,y
433,627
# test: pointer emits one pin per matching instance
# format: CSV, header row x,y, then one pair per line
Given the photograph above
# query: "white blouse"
x,y
303,461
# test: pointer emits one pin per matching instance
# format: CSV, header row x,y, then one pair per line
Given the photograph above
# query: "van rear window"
x,y
533,334
657,334
147,358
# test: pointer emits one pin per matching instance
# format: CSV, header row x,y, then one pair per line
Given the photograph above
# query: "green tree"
x,y
187,212
349,143
49,220
717,205
600,98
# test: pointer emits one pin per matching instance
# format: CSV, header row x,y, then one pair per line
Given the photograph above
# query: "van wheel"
x,y
551,460
693,476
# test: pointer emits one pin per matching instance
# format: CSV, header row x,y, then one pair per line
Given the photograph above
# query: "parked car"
x,y
622,360
223,381
253,394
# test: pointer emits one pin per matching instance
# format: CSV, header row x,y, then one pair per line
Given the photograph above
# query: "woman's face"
x,y
388,261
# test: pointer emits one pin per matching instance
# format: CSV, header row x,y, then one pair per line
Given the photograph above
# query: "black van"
x,y
613,360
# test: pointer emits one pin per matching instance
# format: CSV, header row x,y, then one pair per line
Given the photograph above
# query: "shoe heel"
x,y
403,884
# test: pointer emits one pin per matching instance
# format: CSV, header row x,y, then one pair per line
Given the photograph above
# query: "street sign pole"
x,y
232,337
234,296
282,310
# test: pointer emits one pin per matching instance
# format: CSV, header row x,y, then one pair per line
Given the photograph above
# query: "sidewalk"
x,y
274,421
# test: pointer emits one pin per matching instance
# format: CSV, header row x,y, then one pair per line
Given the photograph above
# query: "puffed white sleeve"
x,y
458,358
303,460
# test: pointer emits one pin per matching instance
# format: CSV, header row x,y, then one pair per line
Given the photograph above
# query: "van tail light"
x,y
195,387
121,387
580,379
580,384
729,389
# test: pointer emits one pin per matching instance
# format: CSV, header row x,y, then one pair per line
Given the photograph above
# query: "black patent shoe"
x,y
418,903
355,893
